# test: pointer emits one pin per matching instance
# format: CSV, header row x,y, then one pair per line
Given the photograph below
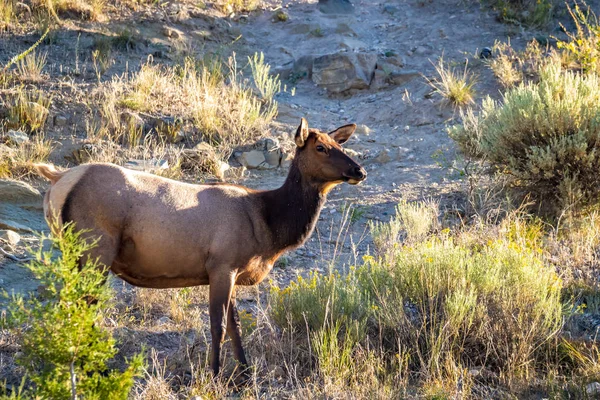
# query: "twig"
x,y
13,257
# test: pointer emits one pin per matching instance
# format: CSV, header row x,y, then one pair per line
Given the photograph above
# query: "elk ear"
x,y
343,133
301,133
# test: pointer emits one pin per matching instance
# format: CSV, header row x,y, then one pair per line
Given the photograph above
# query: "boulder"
x,y
251,159
16,137
16,192
340,72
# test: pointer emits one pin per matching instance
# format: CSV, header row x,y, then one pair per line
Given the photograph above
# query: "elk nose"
x,y
360,173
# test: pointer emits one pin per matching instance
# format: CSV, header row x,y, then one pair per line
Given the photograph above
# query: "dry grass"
x,y
30,67
28,110
15,162
7,14
456,87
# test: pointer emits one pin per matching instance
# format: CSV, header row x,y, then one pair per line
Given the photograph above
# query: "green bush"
x,y
444,304
544,138
583,48
531,12
64,352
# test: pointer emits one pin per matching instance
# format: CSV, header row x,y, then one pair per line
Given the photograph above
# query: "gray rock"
x,y
171,33
251,159
336,7
132,120
10,237
16,192
303,67
340,72
60,120
273,157
14,226
593,389
17,137
402,77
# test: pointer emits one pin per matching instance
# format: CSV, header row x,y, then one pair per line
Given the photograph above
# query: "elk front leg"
x,y
234,330
220,289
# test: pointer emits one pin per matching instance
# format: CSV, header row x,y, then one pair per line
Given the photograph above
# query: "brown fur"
x,y
159,233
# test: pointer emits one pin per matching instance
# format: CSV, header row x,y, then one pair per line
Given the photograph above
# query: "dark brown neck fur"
x,y
291,211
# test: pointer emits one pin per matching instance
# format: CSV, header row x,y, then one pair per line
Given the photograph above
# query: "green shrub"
x,y
64,352
445,304
542,137
583,48
531,12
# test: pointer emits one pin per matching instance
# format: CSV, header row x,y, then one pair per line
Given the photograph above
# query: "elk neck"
x,y
291,211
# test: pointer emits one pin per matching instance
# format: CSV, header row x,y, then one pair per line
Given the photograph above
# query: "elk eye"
x,y
320,148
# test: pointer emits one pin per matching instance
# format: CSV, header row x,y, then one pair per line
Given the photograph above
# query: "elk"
x,y
159,233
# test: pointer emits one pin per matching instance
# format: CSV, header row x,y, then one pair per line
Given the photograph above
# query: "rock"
x,y
60,120
132,120
16,192
171,33
340,72
151,165
286,160
10,237
14,226
486,52
402,77
251,159
167,127
303,67
273,158
16,138
593,389
336,7
163,321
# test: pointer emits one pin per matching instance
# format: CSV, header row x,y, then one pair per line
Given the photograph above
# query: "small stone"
x,y
251,159
60,120
163,320
384,156
10,237
400,78
485,53
132,120
171,33
593,389
17,137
